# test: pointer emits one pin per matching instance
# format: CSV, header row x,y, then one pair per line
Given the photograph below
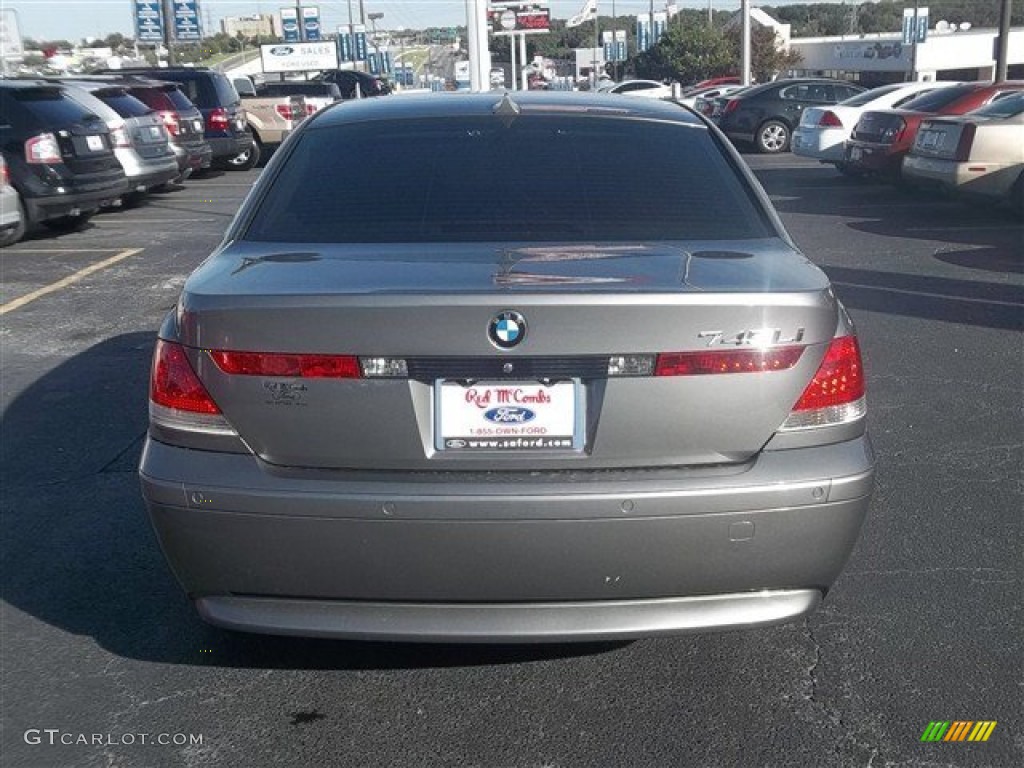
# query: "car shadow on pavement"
x,y
79,553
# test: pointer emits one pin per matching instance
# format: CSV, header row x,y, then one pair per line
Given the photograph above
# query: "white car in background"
x,y
12,220
691,98
823,131
650,88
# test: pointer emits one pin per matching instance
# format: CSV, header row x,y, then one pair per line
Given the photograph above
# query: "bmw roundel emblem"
x,y
506,329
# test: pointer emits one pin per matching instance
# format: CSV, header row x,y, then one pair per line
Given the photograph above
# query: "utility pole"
x,y
745,43
1003,41
913,46
168,19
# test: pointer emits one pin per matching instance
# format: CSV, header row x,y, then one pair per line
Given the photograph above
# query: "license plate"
x,y
197,126
154,132
931,139
95,143
508,417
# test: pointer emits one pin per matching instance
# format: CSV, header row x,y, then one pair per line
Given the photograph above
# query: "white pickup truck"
x,y
271,117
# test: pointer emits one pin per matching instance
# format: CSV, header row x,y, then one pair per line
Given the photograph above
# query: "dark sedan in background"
x,y
498,411
766,115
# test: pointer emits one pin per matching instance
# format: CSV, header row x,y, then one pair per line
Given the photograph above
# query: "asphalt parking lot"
x,y
100,645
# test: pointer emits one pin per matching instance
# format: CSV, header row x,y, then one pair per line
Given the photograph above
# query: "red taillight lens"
x,y
285,364
963,147
731,106
284,110
839,380
42,149
310,109
173,384
829,119
217,120
727,361
171,122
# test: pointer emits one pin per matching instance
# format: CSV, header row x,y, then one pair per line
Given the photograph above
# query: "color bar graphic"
x,y
958,730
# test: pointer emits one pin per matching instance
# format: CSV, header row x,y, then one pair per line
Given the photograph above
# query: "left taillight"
x,y
829,119
177,398
836,393
42,150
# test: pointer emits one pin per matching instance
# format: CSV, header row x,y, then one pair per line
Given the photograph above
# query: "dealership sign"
x,y
299,57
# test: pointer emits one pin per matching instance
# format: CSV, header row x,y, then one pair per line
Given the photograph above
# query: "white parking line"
x,y
127,221
928,294
72,278
996,227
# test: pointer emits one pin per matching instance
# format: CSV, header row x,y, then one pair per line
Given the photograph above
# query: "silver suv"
x,y
141,142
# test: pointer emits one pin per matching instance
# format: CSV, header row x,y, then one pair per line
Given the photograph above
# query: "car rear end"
x,y
224,124
62,160
183,122
979,154
821,134
143,146
496,413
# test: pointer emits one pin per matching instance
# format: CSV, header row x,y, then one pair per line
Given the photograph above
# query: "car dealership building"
x,y
885,58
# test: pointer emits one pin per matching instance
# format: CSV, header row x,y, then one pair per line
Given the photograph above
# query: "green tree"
x,y
687,54
767,60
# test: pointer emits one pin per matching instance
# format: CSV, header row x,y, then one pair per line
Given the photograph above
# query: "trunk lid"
x,y
431,305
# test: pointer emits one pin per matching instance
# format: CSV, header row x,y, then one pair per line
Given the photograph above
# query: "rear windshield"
x,y
152,97
51,106
936,100
539,178
1006,106
179,100
124,104
226,93
863,98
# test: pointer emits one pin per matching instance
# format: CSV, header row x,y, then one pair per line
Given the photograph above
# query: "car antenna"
x,y
507,109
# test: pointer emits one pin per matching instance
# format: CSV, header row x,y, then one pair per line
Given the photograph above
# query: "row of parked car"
x,y
73,146
965,137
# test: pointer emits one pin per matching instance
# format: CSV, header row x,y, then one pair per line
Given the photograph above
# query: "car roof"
x,y
460,104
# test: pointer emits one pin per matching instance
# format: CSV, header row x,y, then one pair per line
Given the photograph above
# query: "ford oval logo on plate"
x,y
506,329
282,50
510,414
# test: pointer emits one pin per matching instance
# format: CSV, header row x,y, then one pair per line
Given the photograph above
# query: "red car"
x,y
882,138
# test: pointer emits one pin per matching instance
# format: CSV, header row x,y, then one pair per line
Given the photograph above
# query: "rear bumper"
x,y
877,158
514,622
992,180
42,208
825,145
617,555
225,148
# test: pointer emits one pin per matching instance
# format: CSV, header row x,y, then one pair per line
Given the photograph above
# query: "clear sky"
x,y
76,19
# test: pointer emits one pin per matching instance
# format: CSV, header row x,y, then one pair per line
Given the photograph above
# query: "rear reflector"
x,y
284,364
836,393
727,361
177,398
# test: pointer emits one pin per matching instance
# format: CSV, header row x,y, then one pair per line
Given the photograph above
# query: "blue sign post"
x,y
385,62
643,31
373,61
311,24
345,52
186,20
290,25
149,22
360,41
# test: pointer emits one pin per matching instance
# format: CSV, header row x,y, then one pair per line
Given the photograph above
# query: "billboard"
x,y
345,51
299,57
519,18
359,39
290,25
149,22
311,24
186,20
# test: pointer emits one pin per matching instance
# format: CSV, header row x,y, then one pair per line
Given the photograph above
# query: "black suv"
x,y
766,115
227,132
59,155
347,80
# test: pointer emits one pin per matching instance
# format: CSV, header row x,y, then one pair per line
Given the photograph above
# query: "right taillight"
x,y
284,110
42,149
177,398
836,393
731,106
